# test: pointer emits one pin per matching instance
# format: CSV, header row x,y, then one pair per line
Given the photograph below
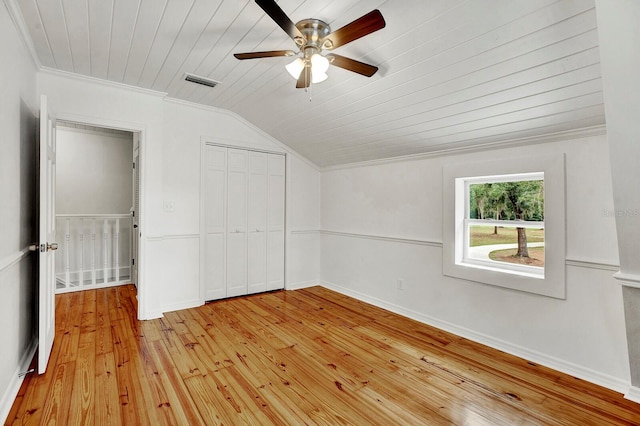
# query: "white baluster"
x,y
67,253
81,266
105,251
83,253
116,246
93,252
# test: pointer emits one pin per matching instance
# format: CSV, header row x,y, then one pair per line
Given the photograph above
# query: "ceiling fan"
x,y
312,36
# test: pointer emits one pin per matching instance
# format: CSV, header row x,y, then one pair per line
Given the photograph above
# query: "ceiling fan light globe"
x,y
295,68
319,63
318,77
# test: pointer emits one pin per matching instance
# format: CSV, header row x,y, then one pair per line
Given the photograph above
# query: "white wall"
x,y
93,172
383,222
17,214
619,36
172,134
303,262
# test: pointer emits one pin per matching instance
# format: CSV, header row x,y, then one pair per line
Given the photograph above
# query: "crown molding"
x,y
21,26
487,146
101,82
203,107
166,98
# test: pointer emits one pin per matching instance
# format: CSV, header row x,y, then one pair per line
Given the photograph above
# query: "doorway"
x,y
97,206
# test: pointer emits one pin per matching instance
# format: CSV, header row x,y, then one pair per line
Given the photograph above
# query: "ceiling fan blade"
x,y
267,54
272,9
304,80
367,24
352,65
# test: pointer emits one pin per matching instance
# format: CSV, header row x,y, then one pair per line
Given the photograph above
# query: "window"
x,y
504,223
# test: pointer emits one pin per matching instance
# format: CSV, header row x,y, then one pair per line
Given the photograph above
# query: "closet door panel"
x,y
275,259
275,221
237,222
236,265
215,282
257,223
215,222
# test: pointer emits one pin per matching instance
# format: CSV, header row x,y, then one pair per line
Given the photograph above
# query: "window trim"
x,y
456,176
508,268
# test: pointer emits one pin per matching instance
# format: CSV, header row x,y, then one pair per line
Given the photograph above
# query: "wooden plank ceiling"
x,y
453,73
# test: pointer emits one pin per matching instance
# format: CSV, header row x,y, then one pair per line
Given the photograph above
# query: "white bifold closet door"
x,y
237,162
275,222
215,211
257,223
244,222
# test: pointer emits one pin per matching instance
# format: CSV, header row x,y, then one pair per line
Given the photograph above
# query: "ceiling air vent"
x,y
200,80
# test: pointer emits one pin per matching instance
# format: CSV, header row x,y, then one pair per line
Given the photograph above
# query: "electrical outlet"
x,y
168,207
400,284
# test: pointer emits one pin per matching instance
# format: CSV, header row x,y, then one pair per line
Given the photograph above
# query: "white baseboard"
x,y
633,394
557,364
301,284
12,390
152,315
194,303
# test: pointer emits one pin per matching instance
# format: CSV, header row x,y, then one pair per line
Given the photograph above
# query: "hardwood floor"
x,y
309,356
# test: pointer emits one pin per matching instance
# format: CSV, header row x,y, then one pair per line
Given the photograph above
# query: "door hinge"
x,y
134,165
133,262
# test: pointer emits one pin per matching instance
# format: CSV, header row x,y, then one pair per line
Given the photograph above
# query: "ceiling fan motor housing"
x,y
314,30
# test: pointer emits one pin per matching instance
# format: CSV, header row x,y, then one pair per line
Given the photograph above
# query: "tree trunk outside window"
x,y
523,250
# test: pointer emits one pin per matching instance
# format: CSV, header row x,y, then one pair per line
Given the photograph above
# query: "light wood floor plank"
x,y
82,393
183,405
108,409
70,335
309,356
57,404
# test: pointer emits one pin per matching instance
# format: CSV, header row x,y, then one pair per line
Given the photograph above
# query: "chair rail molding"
x,y
13,259
627,280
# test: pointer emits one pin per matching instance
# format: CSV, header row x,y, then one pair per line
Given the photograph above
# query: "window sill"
x,y
505,268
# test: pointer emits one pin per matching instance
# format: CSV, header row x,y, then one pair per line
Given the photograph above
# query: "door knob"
x,y
52,246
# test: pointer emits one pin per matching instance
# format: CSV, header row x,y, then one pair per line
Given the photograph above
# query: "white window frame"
x,y
509,268
455,211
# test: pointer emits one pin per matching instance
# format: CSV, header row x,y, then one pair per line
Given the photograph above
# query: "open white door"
x,y
135,233
47,234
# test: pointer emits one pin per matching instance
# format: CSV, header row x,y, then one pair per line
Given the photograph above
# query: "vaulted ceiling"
x,y
453,73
